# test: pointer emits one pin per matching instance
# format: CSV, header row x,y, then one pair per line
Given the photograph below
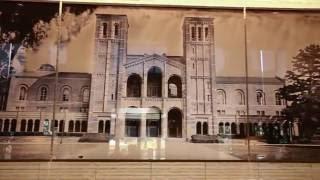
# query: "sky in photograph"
x,y
273,39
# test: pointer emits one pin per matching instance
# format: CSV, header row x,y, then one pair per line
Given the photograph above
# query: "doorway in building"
x,y
175,123
133,121
153,118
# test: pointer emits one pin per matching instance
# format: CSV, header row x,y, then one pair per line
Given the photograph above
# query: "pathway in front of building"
x,y
38,147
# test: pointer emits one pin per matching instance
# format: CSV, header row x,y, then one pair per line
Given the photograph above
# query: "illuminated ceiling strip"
x,y
269,4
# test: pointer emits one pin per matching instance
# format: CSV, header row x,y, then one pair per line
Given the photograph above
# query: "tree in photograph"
x,y
302,90
27,25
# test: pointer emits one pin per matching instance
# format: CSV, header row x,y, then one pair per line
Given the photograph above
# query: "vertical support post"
x,y
56,81
247,73
164,125
143,125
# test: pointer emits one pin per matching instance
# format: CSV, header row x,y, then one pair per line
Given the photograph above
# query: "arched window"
x,y
206,33
199,128
251,129
1,125
221,128
23,93
30,125
240,98
66,94
85,95
233,128
43,93
100,126
71,126
61,126
154,86
84,125
116,29
193,33
6,125
260,97
107,127
227,128
56,124
175,87
23,125
205,128
36,125
200,33
13,125
278,98
104,29
134,86
78,126
221,96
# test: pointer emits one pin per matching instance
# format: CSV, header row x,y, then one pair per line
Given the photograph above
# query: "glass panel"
x,y
283,57
118,82
158,83
150,90
27,55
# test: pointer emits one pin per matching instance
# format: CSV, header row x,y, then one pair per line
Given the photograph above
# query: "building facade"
x,y
144,95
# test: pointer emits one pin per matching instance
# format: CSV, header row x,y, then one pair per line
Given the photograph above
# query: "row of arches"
x,y
240,97
104,126
253,129
222,97
106,28
10,125
73,126
66,92
199,33
202,128
33,125
154,84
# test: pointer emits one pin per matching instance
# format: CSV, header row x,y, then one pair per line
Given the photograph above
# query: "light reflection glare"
x,y
112,146
123,146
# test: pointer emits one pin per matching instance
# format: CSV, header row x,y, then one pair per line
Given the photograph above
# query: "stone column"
x,y
143,126
66,125
164,125
164,84
144,85
18,126
112,126
66,122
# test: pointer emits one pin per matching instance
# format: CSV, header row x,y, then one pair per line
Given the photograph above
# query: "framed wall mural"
x,y
88,81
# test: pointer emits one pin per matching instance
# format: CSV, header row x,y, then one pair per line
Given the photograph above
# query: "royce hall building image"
x,y
148,95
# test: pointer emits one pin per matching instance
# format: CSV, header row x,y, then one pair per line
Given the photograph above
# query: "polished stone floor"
x,y
38,147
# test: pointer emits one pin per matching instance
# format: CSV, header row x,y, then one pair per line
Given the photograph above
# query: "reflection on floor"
x,y
38,147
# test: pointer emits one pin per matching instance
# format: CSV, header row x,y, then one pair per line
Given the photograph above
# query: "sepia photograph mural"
x,y
156,83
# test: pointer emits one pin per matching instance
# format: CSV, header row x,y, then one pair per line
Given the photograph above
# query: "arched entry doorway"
x,y
133,120
175,123
153,122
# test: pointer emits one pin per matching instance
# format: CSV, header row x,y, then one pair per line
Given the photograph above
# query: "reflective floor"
x,y
38,147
